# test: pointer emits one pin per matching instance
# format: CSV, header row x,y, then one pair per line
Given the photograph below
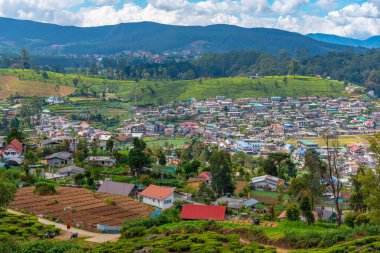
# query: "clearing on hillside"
x,y
84,208
11,85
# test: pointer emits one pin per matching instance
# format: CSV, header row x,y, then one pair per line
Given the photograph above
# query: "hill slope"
x,y
42,37
10,85
155,92
372,42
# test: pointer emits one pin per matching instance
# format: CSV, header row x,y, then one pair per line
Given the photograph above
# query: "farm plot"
x,y
10,85
82,207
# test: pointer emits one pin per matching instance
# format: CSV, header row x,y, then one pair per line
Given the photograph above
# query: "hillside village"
x,y
80,158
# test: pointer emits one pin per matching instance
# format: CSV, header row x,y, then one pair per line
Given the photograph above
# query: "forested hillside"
x,y
48,38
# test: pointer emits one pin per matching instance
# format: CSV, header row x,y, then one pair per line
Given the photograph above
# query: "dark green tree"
x,y
220,168
109,144
14,133
138,157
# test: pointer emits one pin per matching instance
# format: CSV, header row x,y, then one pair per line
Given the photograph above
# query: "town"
x,y
78,157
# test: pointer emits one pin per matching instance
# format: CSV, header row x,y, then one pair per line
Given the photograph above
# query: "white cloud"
x,y
287,6
327,4
356,20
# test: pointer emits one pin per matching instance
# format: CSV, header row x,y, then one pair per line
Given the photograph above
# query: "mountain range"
x,y
52,39
372,42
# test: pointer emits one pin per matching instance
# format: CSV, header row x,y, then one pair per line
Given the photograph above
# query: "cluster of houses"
x,y
264,125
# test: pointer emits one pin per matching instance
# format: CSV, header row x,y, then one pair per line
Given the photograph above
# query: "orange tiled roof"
x,y
157,192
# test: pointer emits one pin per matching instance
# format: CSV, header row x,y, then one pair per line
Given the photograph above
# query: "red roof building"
x,y
12,150
203,212
157,192
158,196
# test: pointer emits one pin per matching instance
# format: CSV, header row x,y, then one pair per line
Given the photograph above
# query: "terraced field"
x,y
84,208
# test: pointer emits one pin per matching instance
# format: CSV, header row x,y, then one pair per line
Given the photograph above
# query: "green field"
x,y
176,142
343,140
145,92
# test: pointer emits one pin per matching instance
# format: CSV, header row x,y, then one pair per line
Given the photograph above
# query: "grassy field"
x,y
146,92
176,142
10,85
343,140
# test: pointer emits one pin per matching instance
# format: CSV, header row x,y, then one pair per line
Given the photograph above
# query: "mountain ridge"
x,y
371,42
149,36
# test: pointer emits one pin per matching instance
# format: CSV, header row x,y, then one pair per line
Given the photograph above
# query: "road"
x,y
92,237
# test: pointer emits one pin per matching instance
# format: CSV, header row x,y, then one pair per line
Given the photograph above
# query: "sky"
x,y
357,19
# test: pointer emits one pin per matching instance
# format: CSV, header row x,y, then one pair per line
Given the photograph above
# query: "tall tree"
x,y
293,67
220,166
14,133
370,182
138,157
25,58
333,175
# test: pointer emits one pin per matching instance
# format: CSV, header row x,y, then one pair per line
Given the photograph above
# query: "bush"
x,y
49,246
45,189
109,202
293,213
349,220
361,219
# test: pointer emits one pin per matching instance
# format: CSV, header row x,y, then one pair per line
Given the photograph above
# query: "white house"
x,y
12,150
158,196
266,182
54,100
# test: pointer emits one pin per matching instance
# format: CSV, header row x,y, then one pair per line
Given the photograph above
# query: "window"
x,y
168,201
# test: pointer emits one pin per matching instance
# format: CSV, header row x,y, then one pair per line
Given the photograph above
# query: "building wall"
x,y
11,153
56,162
162,204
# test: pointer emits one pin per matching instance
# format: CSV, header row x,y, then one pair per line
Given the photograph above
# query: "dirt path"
x,y
92,237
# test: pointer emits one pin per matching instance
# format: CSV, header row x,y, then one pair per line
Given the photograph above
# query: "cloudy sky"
x,y
357,19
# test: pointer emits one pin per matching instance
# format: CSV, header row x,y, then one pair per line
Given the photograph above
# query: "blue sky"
x,y
357,19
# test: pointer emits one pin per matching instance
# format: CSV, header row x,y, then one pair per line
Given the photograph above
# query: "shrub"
x,y
109,202
349,220
293,213
134,232
45,189
362,219
49,246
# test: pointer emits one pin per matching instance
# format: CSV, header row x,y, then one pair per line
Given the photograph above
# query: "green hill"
x,y
156,92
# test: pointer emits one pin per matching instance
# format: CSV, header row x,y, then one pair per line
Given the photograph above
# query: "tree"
x,y
82,146
25,58
357,196
293,213
306,209
315,168
370,183
220,166
205,194
15,123
332,176
293,67
109,144
7,193
94,146
15,134
279,165
138,157
190,168
160,156
65,146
